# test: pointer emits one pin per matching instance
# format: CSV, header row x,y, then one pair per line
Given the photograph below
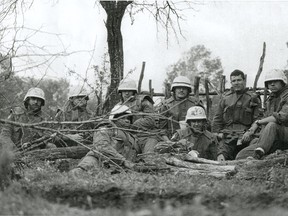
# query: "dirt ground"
x,y
46,188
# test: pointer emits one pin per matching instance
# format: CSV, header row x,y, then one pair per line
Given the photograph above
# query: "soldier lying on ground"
x,y
116,143
19,137
237,110
75,110
174,109
274,134
195,138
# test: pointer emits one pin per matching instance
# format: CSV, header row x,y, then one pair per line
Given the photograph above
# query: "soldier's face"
x,y
80,102
127,94
197,125
237,82
34,103
181,93
275,85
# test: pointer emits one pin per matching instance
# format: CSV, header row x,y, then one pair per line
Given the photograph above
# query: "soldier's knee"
x,y
271,126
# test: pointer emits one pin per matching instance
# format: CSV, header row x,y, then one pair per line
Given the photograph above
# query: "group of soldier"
x,y
240,128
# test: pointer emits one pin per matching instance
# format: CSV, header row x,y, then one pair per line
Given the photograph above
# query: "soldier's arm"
x,y
281,117
213,149
217,123
103,143
59,115
163,121
257,107
175,137
147,121
7,132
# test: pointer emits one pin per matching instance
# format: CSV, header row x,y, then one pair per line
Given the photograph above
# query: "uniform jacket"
x,y
277,105
114,143
75,115
16,135
141,104
173,111
204,143
237,111
70,114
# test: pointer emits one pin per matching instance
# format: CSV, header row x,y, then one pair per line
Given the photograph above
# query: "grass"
x,y
44,190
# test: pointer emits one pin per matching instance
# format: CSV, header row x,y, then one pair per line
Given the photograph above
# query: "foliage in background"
x,y
102,81
197,61
13,90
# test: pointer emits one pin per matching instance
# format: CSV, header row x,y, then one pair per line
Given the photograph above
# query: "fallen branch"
x,y
207,167
74,152
188,171
187,157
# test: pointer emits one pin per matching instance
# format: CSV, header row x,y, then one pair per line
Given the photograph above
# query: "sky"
x,y
234,31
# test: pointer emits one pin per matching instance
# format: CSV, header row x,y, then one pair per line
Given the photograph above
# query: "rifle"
x,y
28,146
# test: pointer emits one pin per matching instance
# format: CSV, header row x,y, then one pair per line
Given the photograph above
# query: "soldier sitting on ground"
x,y
196,139
115,142
142,108
236,111
274,133
173,110
75,110
20,137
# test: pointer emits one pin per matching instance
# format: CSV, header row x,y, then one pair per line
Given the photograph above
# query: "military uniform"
x,y
173,111
141,104
235,112
74,115
204,143
16,135
274,135
115,144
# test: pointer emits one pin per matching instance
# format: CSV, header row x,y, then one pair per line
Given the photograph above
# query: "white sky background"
x,y
232,30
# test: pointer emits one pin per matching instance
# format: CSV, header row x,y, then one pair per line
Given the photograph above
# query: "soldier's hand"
x,y
183,142
220,157
76,171
26,145
193,153
246,137
219,135
129,164
76,137
253,128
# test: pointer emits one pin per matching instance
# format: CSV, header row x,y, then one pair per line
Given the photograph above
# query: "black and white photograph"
x,y
144,107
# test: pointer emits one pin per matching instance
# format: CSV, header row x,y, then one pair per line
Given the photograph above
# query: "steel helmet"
x,y
119,109
181,81
78,91
35,92
127,85
275,74
195,112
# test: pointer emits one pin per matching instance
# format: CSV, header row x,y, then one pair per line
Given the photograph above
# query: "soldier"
x,y
236,112
75,109
142,109
274,133
174,109
114,142
20,137
204,143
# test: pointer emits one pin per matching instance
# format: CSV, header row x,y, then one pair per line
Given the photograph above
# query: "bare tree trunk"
x,y
115,11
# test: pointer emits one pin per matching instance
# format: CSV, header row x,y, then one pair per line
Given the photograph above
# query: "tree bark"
x,y
74,152
115,11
